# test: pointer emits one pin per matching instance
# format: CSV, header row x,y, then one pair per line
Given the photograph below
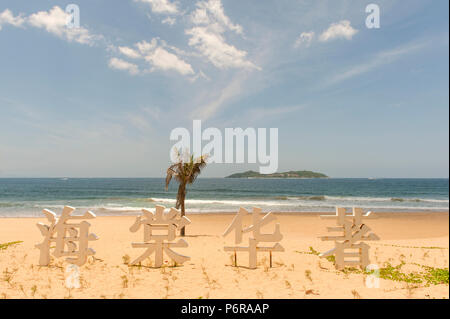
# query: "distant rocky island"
x,y
290,174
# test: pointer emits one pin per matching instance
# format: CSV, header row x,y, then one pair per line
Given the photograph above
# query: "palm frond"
x,y
185,171
196,168
172,171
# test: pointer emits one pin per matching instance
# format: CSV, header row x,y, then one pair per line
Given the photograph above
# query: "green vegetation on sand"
x,y
6,245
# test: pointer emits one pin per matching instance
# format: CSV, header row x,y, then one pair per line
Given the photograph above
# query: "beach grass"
x,y
10,244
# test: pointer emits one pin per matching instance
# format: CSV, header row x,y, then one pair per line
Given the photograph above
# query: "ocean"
x,y
127,196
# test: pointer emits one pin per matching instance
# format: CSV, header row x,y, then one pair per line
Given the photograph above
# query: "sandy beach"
x,y
411,241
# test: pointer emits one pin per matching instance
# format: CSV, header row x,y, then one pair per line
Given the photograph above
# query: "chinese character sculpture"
x,y
71,239
168,224
255,228
350,248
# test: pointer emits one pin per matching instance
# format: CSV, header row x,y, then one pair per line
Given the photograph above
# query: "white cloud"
x,y
169,21
342,29
160,58
161,6
146,47
179,51
200,16
164,60
305,39
129,52
7,17
213,46
123,65
207,36
156,54
210,12
55,21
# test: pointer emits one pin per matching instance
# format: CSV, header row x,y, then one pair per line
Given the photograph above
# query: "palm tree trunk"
x,y
180,204
183,229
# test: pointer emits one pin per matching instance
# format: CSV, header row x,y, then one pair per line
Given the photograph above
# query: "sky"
x,y
101,100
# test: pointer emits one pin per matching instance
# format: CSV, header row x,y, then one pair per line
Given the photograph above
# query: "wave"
x,y
308,202
308,198
223,202
369,199
9,204
280,203
103,210
277,201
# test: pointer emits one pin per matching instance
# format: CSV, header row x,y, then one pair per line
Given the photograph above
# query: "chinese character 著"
x,y
350,247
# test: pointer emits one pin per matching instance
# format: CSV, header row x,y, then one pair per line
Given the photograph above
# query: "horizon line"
x,y
204,177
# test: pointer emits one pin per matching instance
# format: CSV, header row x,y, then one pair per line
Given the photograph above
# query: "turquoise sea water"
x,y
27,197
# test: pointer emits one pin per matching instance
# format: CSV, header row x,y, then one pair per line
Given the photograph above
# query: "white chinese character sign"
x,y
253,242
71,239
167,224
350,247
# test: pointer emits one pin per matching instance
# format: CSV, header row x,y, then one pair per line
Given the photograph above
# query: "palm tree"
x,y
185,172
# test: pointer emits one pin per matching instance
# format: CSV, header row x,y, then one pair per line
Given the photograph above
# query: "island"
x,y
290,174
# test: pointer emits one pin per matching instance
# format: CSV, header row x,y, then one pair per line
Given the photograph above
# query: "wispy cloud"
x,y
222,93
200,74
378,60
233,89
304,39
169,21
256,114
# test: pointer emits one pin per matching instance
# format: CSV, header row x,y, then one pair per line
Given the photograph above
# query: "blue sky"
x,y
101,100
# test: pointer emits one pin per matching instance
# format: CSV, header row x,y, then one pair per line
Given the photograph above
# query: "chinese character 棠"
x,y
159,243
